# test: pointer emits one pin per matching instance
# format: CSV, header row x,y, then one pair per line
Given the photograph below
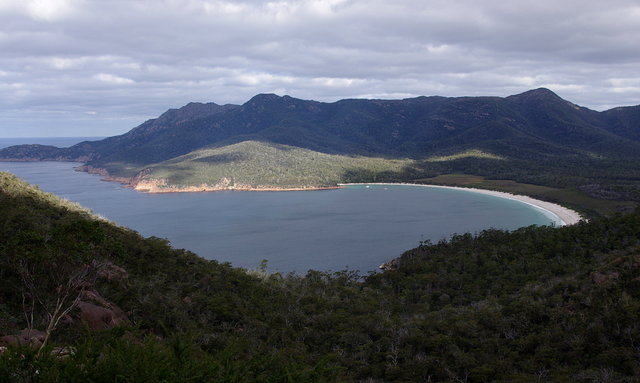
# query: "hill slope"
x,y
539,304
254,165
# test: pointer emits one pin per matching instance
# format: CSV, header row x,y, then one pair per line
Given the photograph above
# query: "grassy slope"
x,y
471,153
534,305
260,164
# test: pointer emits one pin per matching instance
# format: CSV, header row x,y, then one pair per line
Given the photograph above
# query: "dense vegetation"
x,y
536,304
533,138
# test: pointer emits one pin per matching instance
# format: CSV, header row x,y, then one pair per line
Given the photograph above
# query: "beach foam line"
x,y
564,215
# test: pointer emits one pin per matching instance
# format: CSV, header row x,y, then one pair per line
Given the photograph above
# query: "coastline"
x,y
565,215
160,186
207,188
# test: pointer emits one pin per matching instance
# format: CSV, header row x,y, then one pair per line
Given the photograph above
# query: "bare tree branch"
x,y
62,286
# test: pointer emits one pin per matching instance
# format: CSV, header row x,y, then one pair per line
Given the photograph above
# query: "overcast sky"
x,y
101,67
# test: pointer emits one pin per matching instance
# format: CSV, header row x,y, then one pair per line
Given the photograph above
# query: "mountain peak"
x,y
192,110
540,97
274,102
264,97
540,94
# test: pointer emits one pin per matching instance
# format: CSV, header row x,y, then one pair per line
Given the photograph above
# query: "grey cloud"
x,y
125,61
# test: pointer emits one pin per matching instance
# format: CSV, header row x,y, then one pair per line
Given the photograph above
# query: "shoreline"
x,y
565,215
160,186
209,189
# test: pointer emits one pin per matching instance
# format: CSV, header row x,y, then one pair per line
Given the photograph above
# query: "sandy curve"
x,y
565,216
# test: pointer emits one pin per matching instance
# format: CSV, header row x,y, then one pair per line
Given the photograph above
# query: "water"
x,y
61,142
356,227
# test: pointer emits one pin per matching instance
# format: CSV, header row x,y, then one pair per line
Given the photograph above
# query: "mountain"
x,y
624,121
525,131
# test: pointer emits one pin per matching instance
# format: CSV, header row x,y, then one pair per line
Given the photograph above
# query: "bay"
x,y
357,227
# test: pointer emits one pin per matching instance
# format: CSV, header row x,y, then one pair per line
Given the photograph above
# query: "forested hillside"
x,y
537,304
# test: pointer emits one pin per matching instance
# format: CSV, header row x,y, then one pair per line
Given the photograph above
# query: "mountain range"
x,y
358,139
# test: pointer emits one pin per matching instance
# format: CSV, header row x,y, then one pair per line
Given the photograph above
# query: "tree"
x,y
52,288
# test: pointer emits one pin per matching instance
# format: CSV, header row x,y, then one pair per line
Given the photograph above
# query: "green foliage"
x,y
262,165
536,304
151,360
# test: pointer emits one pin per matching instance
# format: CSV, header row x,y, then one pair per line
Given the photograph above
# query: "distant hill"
x,y
520,137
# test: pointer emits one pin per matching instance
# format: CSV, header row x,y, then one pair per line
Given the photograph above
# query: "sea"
x,y
354,228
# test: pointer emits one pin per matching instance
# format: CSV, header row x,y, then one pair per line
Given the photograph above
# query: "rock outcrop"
x,y
112,272
27,337
99,314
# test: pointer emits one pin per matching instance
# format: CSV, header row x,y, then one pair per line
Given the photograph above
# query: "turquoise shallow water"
x,y
357,227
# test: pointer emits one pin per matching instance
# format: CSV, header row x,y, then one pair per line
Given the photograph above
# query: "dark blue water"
x,y
356,227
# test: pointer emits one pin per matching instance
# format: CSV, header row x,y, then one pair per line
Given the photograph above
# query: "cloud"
x,y
41,10
112,79
135,59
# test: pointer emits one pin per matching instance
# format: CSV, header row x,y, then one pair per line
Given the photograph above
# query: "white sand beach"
x,y
565,216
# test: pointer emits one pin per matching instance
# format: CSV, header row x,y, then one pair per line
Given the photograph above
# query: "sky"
x,y
101,67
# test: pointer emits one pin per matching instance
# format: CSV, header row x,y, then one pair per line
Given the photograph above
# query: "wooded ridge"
x,y
536,304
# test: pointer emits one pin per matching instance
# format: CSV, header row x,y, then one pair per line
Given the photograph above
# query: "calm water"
x,y
61,142
355,227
